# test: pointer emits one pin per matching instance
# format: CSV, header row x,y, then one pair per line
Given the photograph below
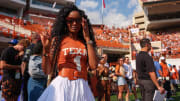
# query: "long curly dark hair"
x,y
60,28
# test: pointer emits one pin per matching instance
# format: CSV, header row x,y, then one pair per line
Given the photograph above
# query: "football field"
x,y
175,97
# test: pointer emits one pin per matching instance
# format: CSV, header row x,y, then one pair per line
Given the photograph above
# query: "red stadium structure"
x,y
162,22
18,20
162,25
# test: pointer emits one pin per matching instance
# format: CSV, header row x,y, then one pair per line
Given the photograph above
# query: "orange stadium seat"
x,y
42,21
14,21
110,37
22,35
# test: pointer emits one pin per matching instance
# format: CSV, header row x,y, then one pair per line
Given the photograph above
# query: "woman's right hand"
x,y
46,40
161,90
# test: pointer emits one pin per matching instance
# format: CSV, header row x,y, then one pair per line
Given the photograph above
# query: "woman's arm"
x,y
91,56
90,49
4,65
117,71
48,57
48,52
23,66
135,76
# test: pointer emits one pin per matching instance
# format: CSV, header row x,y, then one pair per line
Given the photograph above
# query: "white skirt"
x,y
63,89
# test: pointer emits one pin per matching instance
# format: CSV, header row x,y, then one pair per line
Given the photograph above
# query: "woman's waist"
x,y
120,77
72,66
72,73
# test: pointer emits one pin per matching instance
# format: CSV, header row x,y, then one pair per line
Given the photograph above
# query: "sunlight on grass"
x,y
132,98
175,97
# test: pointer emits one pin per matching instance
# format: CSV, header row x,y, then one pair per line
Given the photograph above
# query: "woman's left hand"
x,y
46,40
85,29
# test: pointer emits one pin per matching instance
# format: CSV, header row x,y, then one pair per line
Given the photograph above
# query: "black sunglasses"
x,y
71,20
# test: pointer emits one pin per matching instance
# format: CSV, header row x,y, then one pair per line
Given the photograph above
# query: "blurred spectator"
x,y
24,65
113,77
146,72
166,76
158,69
13,42
179,73
174,78
38,79
103,85
122,84
10,61
129,77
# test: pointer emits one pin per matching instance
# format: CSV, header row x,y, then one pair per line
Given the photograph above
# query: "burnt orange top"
x,y
174,74
72,54
165,70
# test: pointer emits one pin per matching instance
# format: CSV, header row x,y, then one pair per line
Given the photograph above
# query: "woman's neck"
x,y
73,36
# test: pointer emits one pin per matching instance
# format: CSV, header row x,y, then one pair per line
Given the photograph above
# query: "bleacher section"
x,y
170,42
42,20
13,27
114,38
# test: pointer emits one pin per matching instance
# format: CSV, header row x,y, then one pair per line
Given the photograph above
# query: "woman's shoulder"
x,y
66,39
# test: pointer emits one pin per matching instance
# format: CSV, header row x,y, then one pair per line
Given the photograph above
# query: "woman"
x,y
37,80
73,44
122,84
103,81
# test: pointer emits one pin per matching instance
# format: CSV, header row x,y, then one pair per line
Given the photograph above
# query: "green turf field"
x,y
114,97
176,97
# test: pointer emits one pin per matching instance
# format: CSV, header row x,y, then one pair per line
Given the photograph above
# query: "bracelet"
x,y
49,77
90,42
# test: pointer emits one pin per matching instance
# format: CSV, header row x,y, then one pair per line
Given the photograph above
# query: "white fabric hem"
x,y
63,89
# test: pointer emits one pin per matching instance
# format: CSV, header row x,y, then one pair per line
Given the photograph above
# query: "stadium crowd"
x,y
104,36
107,79
169,42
